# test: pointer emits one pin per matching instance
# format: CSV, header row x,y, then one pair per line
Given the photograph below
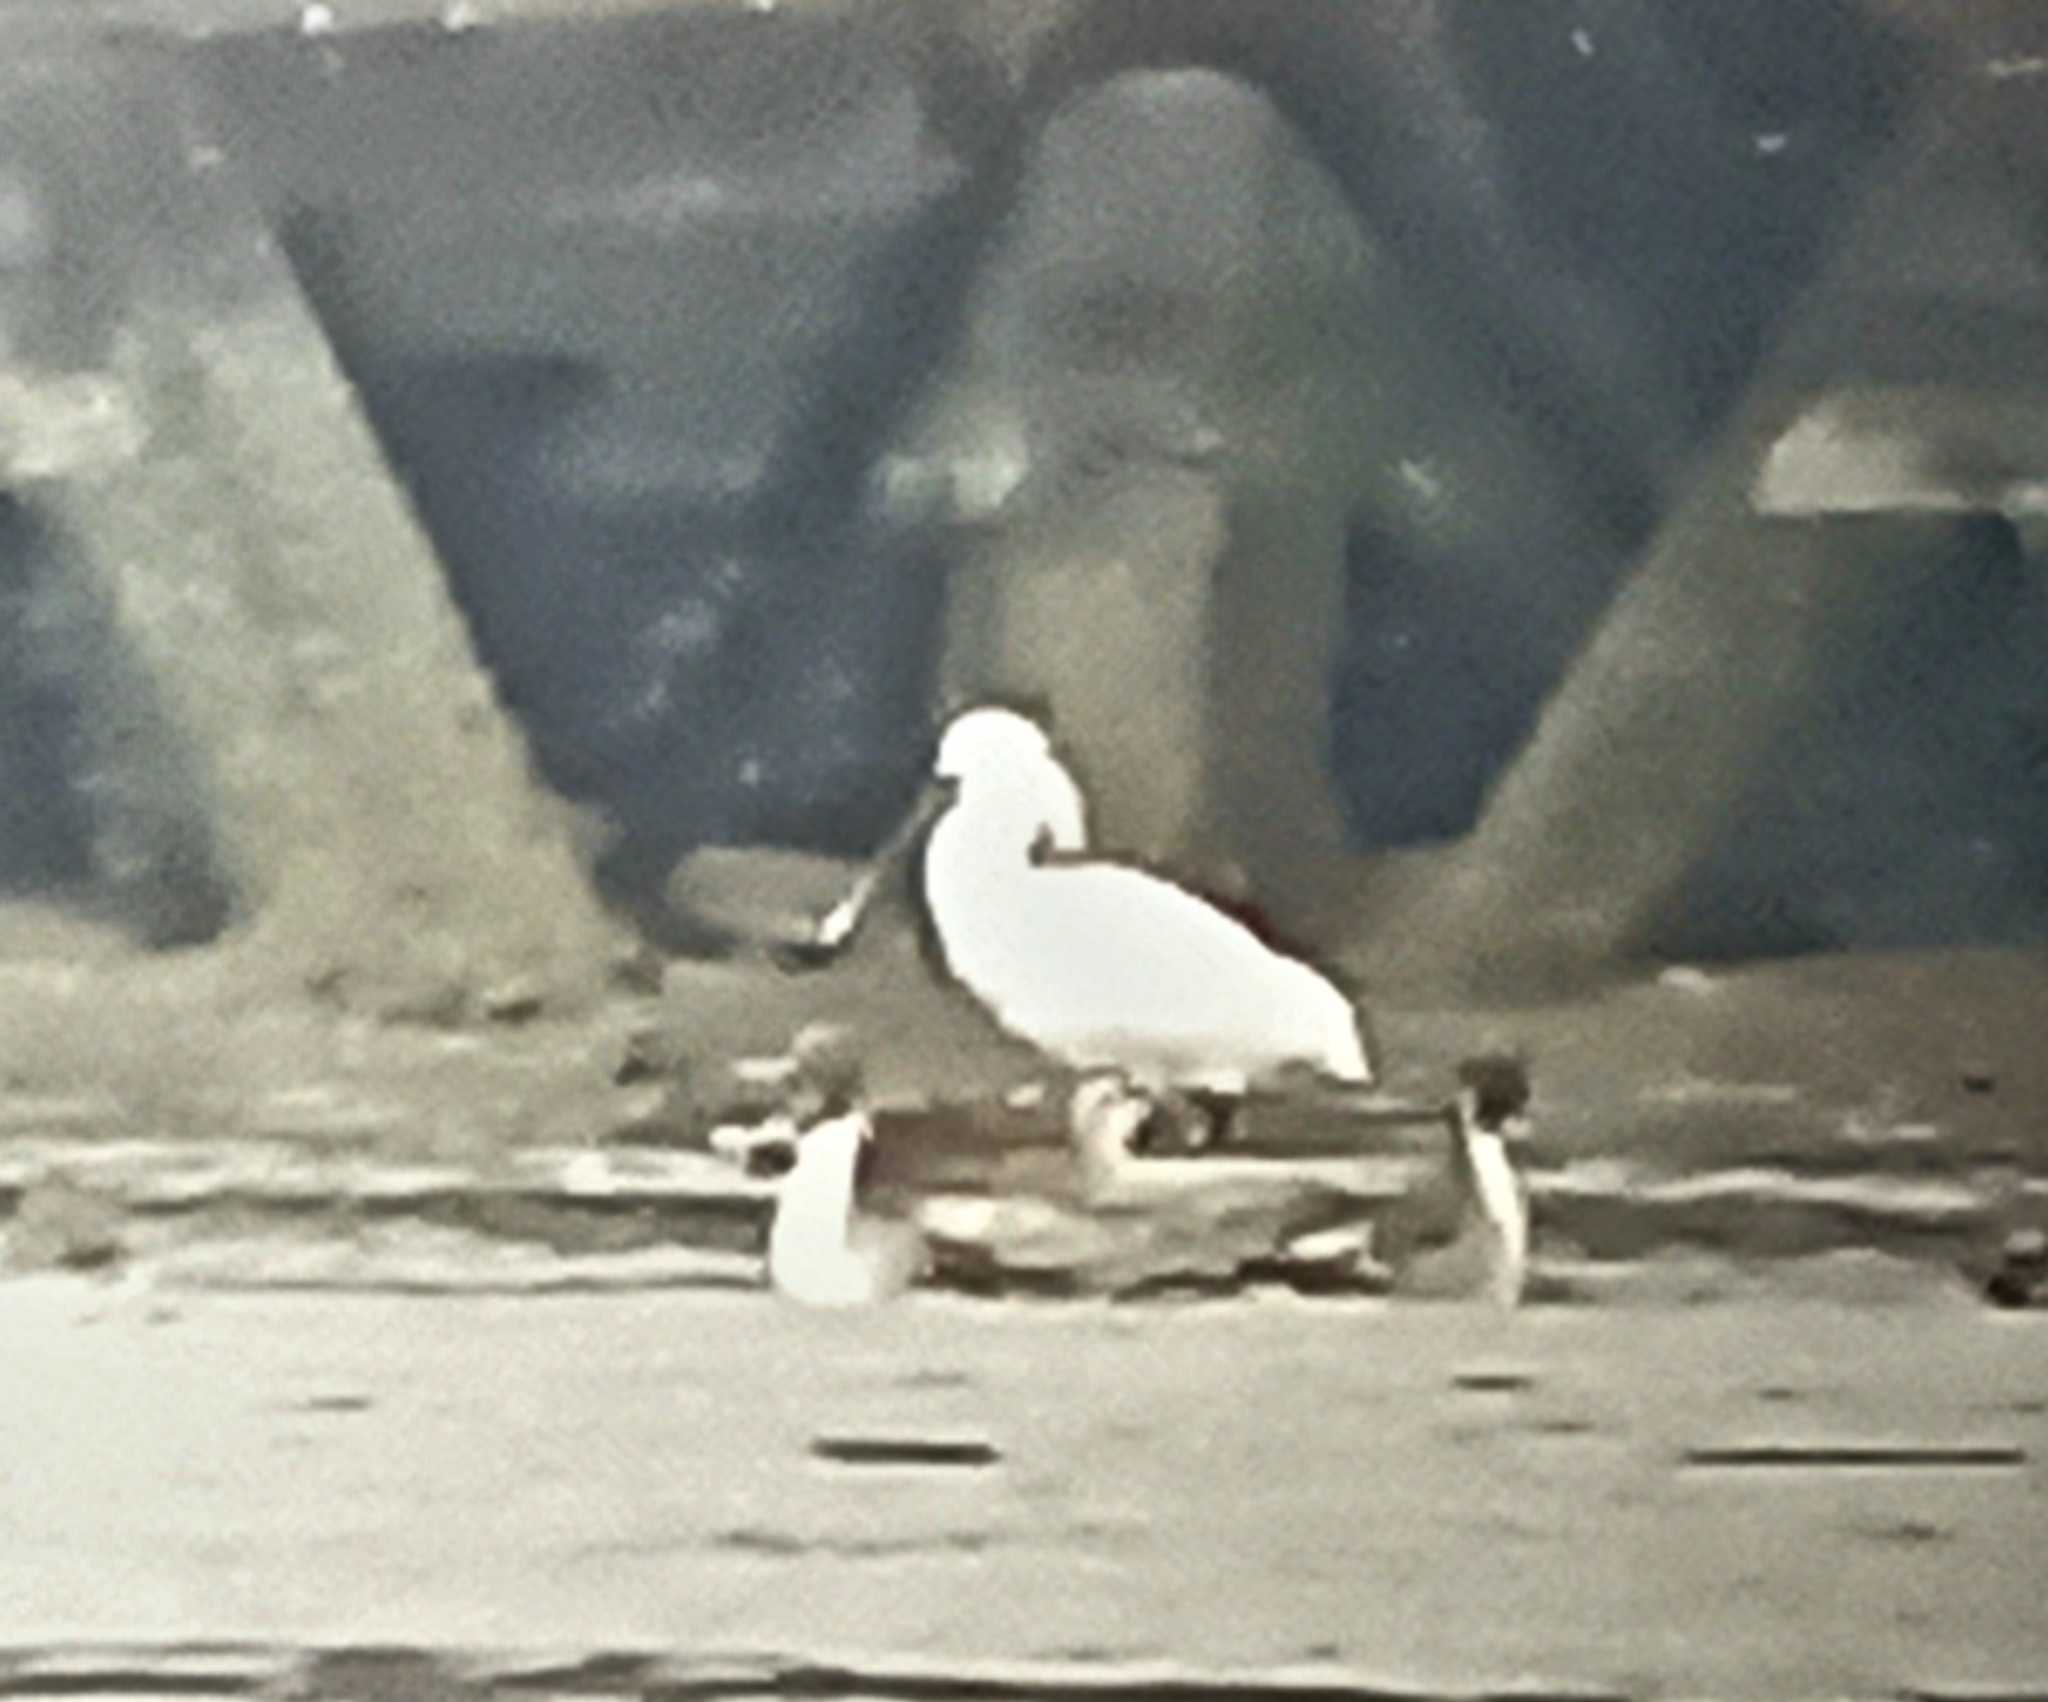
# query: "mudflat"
x,y
1764,1495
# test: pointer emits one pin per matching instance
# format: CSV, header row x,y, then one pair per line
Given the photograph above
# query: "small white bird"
x,y
1099,963
823,1250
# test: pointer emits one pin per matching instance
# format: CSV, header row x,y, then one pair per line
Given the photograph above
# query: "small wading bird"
x,y
824,1247
1461,1232
1465,1232
1101,964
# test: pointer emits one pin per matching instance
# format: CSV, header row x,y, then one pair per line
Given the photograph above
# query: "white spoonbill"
x,y
1099,963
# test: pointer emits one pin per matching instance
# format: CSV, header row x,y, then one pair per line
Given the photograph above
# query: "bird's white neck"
x,y
1494,1183
814,1208
977,841
823,1250
991,838
1010,815
1497,1195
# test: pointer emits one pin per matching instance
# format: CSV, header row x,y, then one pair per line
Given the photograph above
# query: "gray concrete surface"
x,y
1229,1485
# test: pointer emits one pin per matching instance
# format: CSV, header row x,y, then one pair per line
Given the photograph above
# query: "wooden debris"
x,y
2021,1279
1858,1455
904,1451
1490,1382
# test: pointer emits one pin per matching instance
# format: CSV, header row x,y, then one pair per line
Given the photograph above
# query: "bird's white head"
x,y
991,743
1003,770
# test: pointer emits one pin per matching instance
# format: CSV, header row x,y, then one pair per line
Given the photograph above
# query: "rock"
x,y
63,1225
757,895
655,1114
2021,1279
513,1002
828,1062
1337,1258
638,970
819,1076
323,1114
649,1054
760,1149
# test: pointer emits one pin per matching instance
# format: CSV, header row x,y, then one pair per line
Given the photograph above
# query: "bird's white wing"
x,y
1104,959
